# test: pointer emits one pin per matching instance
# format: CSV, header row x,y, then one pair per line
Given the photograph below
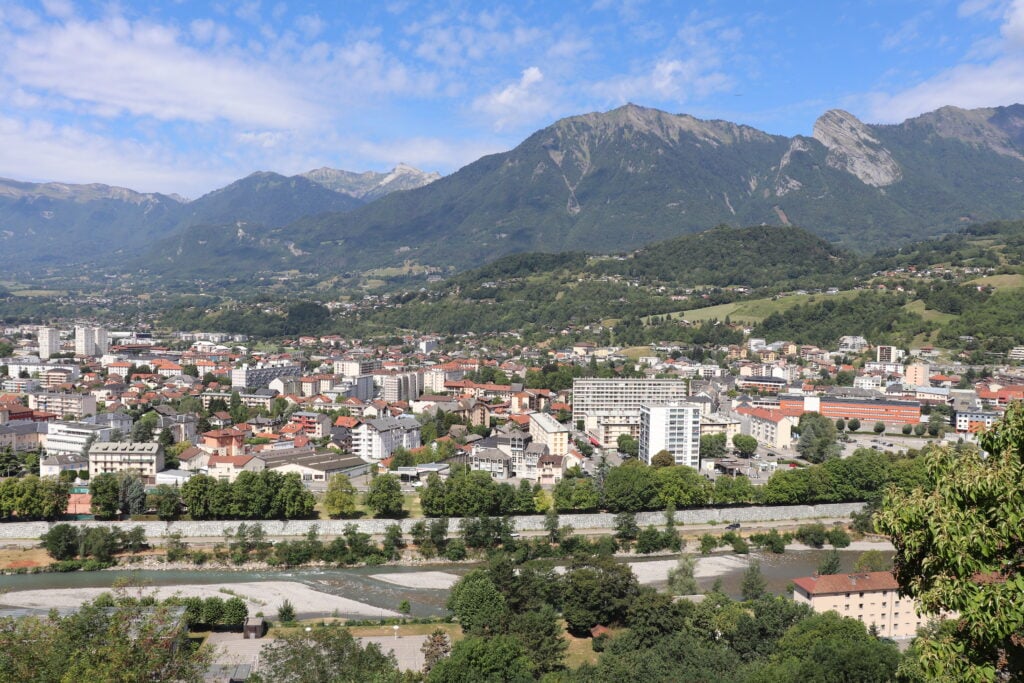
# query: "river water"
x,y
358,584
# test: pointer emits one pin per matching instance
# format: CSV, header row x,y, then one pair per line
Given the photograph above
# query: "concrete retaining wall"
x,y
334,527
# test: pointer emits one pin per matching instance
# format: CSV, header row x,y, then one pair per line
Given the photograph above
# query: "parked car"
x,y
733,527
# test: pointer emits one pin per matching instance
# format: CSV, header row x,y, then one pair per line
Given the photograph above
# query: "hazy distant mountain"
x,y
370,185
56,223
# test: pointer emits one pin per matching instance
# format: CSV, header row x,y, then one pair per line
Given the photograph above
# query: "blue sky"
x,y
181,96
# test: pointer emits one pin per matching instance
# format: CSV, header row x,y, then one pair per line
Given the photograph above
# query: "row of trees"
x,y
31,497
66,542
253,495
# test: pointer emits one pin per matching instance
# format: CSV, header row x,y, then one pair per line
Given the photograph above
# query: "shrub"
x,y
813,535
286,612
707,544
838,537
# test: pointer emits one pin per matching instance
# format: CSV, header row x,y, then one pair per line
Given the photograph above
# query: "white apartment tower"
x,y
90,341
49,342
672,427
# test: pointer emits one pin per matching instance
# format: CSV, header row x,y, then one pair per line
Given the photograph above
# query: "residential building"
x,y
771,428
353,367
872,598
546,430
78,405
259,377
228,467
762,383
90,341
673,427
49,342
401,386
852,344
609,408
121,456
888,354
53,465
916,374
66,438
972,421
315,425
492,461
378,438
716,423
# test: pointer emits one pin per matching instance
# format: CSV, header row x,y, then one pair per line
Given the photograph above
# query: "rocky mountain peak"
x,y
371,185
852,148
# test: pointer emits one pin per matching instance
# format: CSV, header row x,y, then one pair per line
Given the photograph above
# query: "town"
x,y
400,427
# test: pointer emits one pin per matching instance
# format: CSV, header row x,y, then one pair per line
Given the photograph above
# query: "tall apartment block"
x,y
672,427
49,342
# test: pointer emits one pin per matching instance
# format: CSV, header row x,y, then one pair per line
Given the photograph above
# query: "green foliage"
x,y
64,542
436,647
754,585
746,445
500,659
253,495
324,655
105,640
286,612
817,438
31,497
340,498
596,590
680,578
813,535
712,446
957,548
872,561
830,564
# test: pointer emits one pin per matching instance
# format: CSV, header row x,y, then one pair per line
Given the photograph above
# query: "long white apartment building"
x,y
611,407
377,439
672,427
78,405
71,438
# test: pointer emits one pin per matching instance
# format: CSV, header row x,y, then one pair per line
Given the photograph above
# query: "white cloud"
x,y
311,25
996,79
518,103
60,9
667,80
144,69
44,152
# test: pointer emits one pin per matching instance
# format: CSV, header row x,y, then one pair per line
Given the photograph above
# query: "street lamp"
x,y
395,627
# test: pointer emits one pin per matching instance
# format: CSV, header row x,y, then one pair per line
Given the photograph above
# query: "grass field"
x,y
917,306
1006,281
38,292
635,352
412,507
754,311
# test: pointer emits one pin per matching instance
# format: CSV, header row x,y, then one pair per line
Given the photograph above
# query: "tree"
x,y
630,488
626,528
500,658
746,445
853,425
872,561
105,640
840,424
235,612
920,429
104,490
165,439
542,637
680,578
329,654
61,542
286,612
142,430
551,524
879,427
596,590
754,585
907,429
628,445
830,564
436,647
663,458
478,604
712,446
340,498
958,547
385,496
166,500
681,486
197,495
817,438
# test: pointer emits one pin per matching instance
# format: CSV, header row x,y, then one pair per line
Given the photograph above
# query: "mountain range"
x,y
601,182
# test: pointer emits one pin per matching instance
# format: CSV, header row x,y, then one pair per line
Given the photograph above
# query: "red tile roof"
x,y
830,584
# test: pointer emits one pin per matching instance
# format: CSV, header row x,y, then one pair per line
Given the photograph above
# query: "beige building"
x,y
548,431
916,375
120,456
871,597
63,404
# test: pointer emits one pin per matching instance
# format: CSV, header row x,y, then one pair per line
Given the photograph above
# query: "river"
x,y
358,583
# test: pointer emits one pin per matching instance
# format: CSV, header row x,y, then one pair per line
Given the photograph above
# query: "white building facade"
x,y
672,427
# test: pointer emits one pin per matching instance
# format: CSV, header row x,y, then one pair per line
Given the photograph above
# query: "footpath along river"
x,y
375,592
